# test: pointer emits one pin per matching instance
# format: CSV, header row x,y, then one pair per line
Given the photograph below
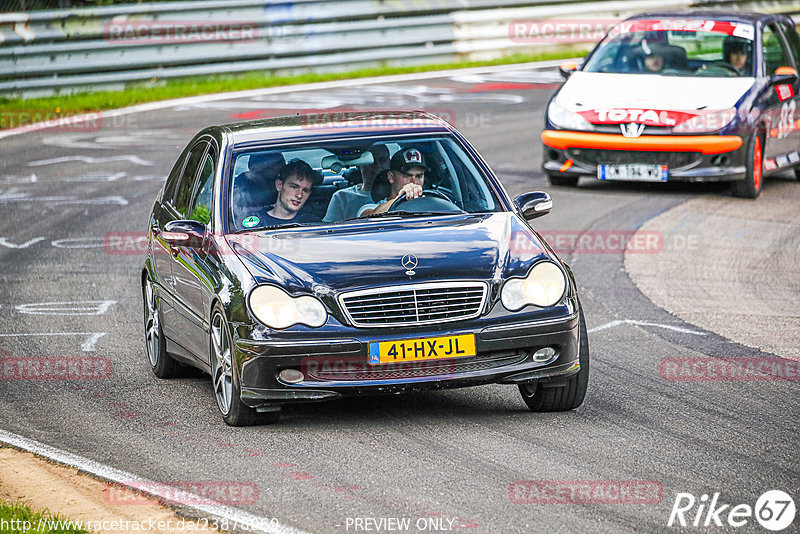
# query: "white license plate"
x,y
644,173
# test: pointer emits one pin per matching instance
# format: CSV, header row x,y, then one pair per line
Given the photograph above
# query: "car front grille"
x,y
414,304
596,156
353,369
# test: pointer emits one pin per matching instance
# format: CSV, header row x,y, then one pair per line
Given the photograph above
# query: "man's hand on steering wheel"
x,y
409,191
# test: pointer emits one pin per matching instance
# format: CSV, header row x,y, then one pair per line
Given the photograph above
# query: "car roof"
x,y
723,16
333,125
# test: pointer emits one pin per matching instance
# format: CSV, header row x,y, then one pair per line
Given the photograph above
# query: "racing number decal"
x,y
786,123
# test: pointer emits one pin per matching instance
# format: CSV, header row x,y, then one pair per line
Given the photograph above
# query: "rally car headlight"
x,y
564,118
710,122
277,309
544,286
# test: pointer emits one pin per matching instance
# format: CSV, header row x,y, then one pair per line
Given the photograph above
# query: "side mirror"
x,y
783,75
566,69
534,204
183,233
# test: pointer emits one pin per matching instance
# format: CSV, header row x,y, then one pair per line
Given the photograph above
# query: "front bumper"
x,y
692,158
339,366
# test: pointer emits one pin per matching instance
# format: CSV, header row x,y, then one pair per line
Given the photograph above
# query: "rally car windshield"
x,y
676,48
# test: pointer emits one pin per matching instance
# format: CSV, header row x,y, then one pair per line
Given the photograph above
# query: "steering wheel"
x,y
432,200
720,64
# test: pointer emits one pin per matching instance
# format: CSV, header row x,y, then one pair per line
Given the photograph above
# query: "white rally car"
x,y
692,96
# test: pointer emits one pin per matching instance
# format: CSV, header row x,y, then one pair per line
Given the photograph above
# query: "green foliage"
x,y
138,93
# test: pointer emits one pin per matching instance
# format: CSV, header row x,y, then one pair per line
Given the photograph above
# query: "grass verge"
x,y
19,518
19,112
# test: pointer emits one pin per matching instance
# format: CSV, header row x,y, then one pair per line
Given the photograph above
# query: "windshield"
x,y
336,181
676,48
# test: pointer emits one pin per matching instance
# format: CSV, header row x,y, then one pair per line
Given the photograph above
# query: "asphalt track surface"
x,y
452,455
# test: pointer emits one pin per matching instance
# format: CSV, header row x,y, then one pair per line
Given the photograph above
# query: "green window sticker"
x,y
250,221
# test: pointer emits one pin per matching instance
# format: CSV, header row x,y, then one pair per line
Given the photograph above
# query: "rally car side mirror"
x,y
566,69
783,75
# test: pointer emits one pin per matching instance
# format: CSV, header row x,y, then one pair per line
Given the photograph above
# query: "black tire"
x,y
228,396
561,396
162,364
751,186
562,181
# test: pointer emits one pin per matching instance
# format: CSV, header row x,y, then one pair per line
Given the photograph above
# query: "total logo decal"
x,y
774,510
648,117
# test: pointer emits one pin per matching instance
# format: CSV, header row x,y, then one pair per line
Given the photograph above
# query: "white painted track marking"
x,y
77,307
618,322
123,478
136,160
87,346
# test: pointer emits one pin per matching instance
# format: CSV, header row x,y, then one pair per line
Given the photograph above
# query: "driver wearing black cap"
x,y
406,175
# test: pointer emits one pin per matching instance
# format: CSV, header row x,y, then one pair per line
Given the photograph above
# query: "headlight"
x,y
277,309
564,118
544,286
710,122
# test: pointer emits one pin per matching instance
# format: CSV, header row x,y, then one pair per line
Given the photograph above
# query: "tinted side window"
x,y
183,192
201,207
775,54
794,41
172,179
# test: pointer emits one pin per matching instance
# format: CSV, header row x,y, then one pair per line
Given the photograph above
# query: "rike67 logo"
x,y
774,510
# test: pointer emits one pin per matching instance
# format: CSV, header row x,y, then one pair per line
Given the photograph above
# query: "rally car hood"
x,y
585,91
333,258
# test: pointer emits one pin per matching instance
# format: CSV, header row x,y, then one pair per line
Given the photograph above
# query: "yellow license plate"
x,y
429,348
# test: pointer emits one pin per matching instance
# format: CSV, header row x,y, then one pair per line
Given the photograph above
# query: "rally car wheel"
x,y
559,180
561,396
162,364
225,378
750,187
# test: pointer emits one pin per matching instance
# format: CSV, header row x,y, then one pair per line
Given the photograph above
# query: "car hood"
x,y
333,258
597,92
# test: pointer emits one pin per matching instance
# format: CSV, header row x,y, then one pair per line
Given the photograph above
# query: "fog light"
x,y
291,376
542,355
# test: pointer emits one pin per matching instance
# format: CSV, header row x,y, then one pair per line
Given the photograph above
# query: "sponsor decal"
x,y
696,25
250,222
648,117
784,91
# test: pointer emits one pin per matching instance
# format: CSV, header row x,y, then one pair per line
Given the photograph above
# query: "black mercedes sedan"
x,y
306,258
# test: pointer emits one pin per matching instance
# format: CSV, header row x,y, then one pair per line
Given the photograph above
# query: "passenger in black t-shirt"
x,y
294,184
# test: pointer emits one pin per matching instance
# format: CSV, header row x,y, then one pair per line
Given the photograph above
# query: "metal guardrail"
x,y
46,52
